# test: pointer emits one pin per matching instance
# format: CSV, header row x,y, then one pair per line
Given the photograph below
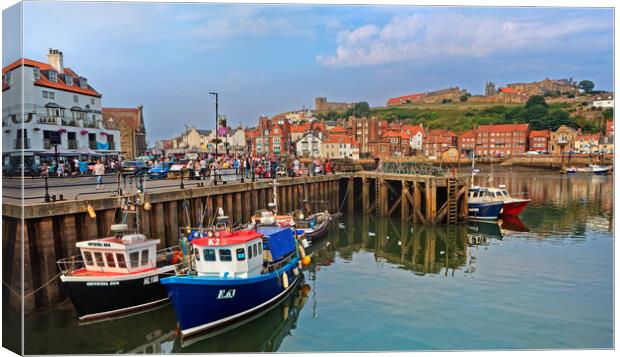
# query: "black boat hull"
x,y
319,232
97,299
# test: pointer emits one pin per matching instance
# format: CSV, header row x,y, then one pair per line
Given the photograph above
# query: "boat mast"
x,y
275,197
473,161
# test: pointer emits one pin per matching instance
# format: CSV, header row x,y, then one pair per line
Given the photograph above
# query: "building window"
x,y
36,73
45,94
68,80
75,98
92,101
52,76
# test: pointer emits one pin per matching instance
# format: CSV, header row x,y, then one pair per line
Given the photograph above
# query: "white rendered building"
x,y
59,110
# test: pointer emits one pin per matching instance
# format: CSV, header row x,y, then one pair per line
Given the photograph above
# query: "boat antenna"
x,y
473,172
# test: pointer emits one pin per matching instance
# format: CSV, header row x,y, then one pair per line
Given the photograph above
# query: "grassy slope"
x,y
453,116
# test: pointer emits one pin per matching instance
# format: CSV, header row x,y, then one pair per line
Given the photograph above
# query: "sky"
x,y
268,59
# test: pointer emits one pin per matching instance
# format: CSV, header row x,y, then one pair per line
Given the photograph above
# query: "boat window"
x,y
196,254
260,247
209,254
88,258
120,259
475,194
133,259
109,257
225,255
240,254
505,193
145,257
99,259
250,255
255,250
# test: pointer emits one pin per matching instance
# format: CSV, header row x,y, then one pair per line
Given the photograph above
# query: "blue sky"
x,y
266,59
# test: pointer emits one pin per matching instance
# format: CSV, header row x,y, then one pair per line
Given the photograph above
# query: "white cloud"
x,y
413,37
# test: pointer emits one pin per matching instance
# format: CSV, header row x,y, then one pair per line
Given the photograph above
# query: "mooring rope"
x,y
345,196
32,292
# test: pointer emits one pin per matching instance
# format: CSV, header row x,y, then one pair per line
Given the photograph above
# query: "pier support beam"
x,y
351,195
365,195
404,201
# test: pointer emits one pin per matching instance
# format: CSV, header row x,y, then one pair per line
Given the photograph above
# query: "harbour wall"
x,y
50,230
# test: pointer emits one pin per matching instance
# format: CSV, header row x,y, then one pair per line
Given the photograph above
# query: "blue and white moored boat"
x,y
234,275
482,206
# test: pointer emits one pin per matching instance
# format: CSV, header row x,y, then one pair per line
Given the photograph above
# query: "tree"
x,y
360,110
536,100
586,85
464,98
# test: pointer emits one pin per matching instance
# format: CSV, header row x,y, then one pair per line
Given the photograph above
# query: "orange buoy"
x,y
306,260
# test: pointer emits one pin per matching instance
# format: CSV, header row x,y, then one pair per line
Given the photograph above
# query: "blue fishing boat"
x,y
482,206
234,275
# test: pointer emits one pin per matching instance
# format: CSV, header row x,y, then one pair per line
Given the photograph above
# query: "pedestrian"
x,y
311,169
98,172
83,167
236,166
45,170
328,167
296,166
61,169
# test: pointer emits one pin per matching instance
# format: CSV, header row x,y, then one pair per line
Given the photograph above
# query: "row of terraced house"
x,y
371,137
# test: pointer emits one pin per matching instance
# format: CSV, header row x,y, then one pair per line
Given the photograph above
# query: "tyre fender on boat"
x,y
302,252
285,280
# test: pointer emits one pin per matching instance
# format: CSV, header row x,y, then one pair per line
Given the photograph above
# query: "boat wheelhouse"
x,y
234,275
116,275
512,205
481,205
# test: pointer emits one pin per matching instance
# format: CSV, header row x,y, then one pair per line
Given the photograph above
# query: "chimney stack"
x,y
54,58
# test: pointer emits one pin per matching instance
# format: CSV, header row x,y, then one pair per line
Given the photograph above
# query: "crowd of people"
x,y
250,166
73,166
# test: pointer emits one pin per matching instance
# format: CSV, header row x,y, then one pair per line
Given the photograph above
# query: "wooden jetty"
x,y
422,199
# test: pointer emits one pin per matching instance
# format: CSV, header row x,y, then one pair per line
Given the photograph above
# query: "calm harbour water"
x,y
544,281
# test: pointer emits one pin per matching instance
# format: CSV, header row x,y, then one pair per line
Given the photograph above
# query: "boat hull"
x,y
317,232
514,208
484,210
95,299
204,304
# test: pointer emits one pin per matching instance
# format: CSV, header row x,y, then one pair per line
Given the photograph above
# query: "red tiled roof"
x,y
396,134
593,137
502,128
540,134
469,134
405,98
338,130
509,90
413,129
339,139
302,128
441,132
44,82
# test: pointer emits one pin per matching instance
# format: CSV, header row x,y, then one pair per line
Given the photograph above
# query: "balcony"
x,y
48,120
19,144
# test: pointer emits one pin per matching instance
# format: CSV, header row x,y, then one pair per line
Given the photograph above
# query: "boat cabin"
x,y
122,253
481,194
228,254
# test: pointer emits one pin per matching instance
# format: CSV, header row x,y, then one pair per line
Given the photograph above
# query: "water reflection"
x,y
420,249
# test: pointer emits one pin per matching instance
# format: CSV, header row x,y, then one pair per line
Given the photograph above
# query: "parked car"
x,y
133,168
160,170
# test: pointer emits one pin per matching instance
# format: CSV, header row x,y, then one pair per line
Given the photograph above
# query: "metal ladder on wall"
x,y
377,195
452,201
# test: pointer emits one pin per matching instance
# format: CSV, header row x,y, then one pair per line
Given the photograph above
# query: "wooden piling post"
x,y
350,195
404,201
365,195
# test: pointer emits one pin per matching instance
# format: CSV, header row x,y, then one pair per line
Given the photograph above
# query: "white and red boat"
x,y
512,205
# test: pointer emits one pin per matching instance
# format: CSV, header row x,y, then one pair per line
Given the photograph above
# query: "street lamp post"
x,y
216,118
